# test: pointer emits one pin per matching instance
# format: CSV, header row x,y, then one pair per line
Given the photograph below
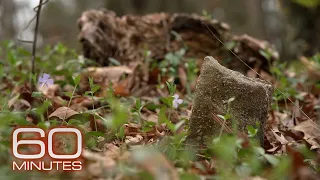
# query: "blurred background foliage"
x,y
293,26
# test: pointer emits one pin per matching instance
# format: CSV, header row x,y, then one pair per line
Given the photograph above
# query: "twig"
x,y
35,38
36,17
29,23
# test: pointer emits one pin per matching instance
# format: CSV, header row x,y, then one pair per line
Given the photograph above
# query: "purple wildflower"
x,y
176,101
45,80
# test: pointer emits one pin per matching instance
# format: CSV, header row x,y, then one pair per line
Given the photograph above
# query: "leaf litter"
x,y
285,130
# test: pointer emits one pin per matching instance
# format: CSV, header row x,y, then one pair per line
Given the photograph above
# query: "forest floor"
x,y
135,118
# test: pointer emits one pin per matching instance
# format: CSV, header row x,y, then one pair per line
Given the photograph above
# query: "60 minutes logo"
x,y
38,150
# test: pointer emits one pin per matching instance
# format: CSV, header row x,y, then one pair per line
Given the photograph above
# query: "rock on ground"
x,y
215,86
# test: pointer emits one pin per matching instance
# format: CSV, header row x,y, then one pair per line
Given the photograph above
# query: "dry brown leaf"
x,y
97,163
311,132
152,118
299,168
280,138
312,68
18,104
133,140
274,149
112,73
122,88
130,128
156,164
13,100
97,124
63,113
50,91
182,76
202,167
251,73
111,150
309,128
121,77
114,152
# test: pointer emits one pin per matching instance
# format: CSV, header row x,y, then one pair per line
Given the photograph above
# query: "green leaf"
x,y
91,82
114,61
260,150
231,45
189,176
147,129
42,125
151,106
95,88
91,142
34,78
36,94
171,87
149,123
265,54
138,103
74,122
121,133
95,133
252,131
21,122
76,80
308,3
228,116
69,94
167,101
272,159
162,118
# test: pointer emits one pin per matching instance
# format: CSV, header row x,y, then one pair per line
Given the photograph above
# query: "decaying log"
x,y
215,86
104,35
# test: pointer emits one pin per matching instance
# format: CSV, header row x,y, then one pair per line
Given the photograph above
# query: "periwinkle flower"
x,y
176,101
45,80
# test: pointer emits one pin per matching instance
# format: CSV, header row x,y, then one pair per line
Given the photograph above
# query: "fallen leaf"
x,y
300,169
312,68
18,104
133,140
182,76
63,113
13,100
155,163
97,124
309,128
97,164
280,138
50,91
114,152
311,132
122,88
202,167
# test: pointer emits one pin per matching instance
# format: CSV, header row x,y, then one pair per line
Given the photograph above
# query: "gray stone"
x,y
215,86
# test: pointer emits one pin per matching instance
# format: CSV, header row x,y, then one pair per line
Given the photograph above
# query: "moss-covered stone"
x,y
215,86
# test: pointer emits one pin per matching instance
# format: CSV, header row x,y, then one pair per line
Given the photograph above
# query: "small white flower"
x,y
176,101
47,124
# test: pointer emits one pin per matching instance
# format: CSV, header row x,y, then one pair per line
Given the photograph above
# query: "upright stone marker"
x,y
215,86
